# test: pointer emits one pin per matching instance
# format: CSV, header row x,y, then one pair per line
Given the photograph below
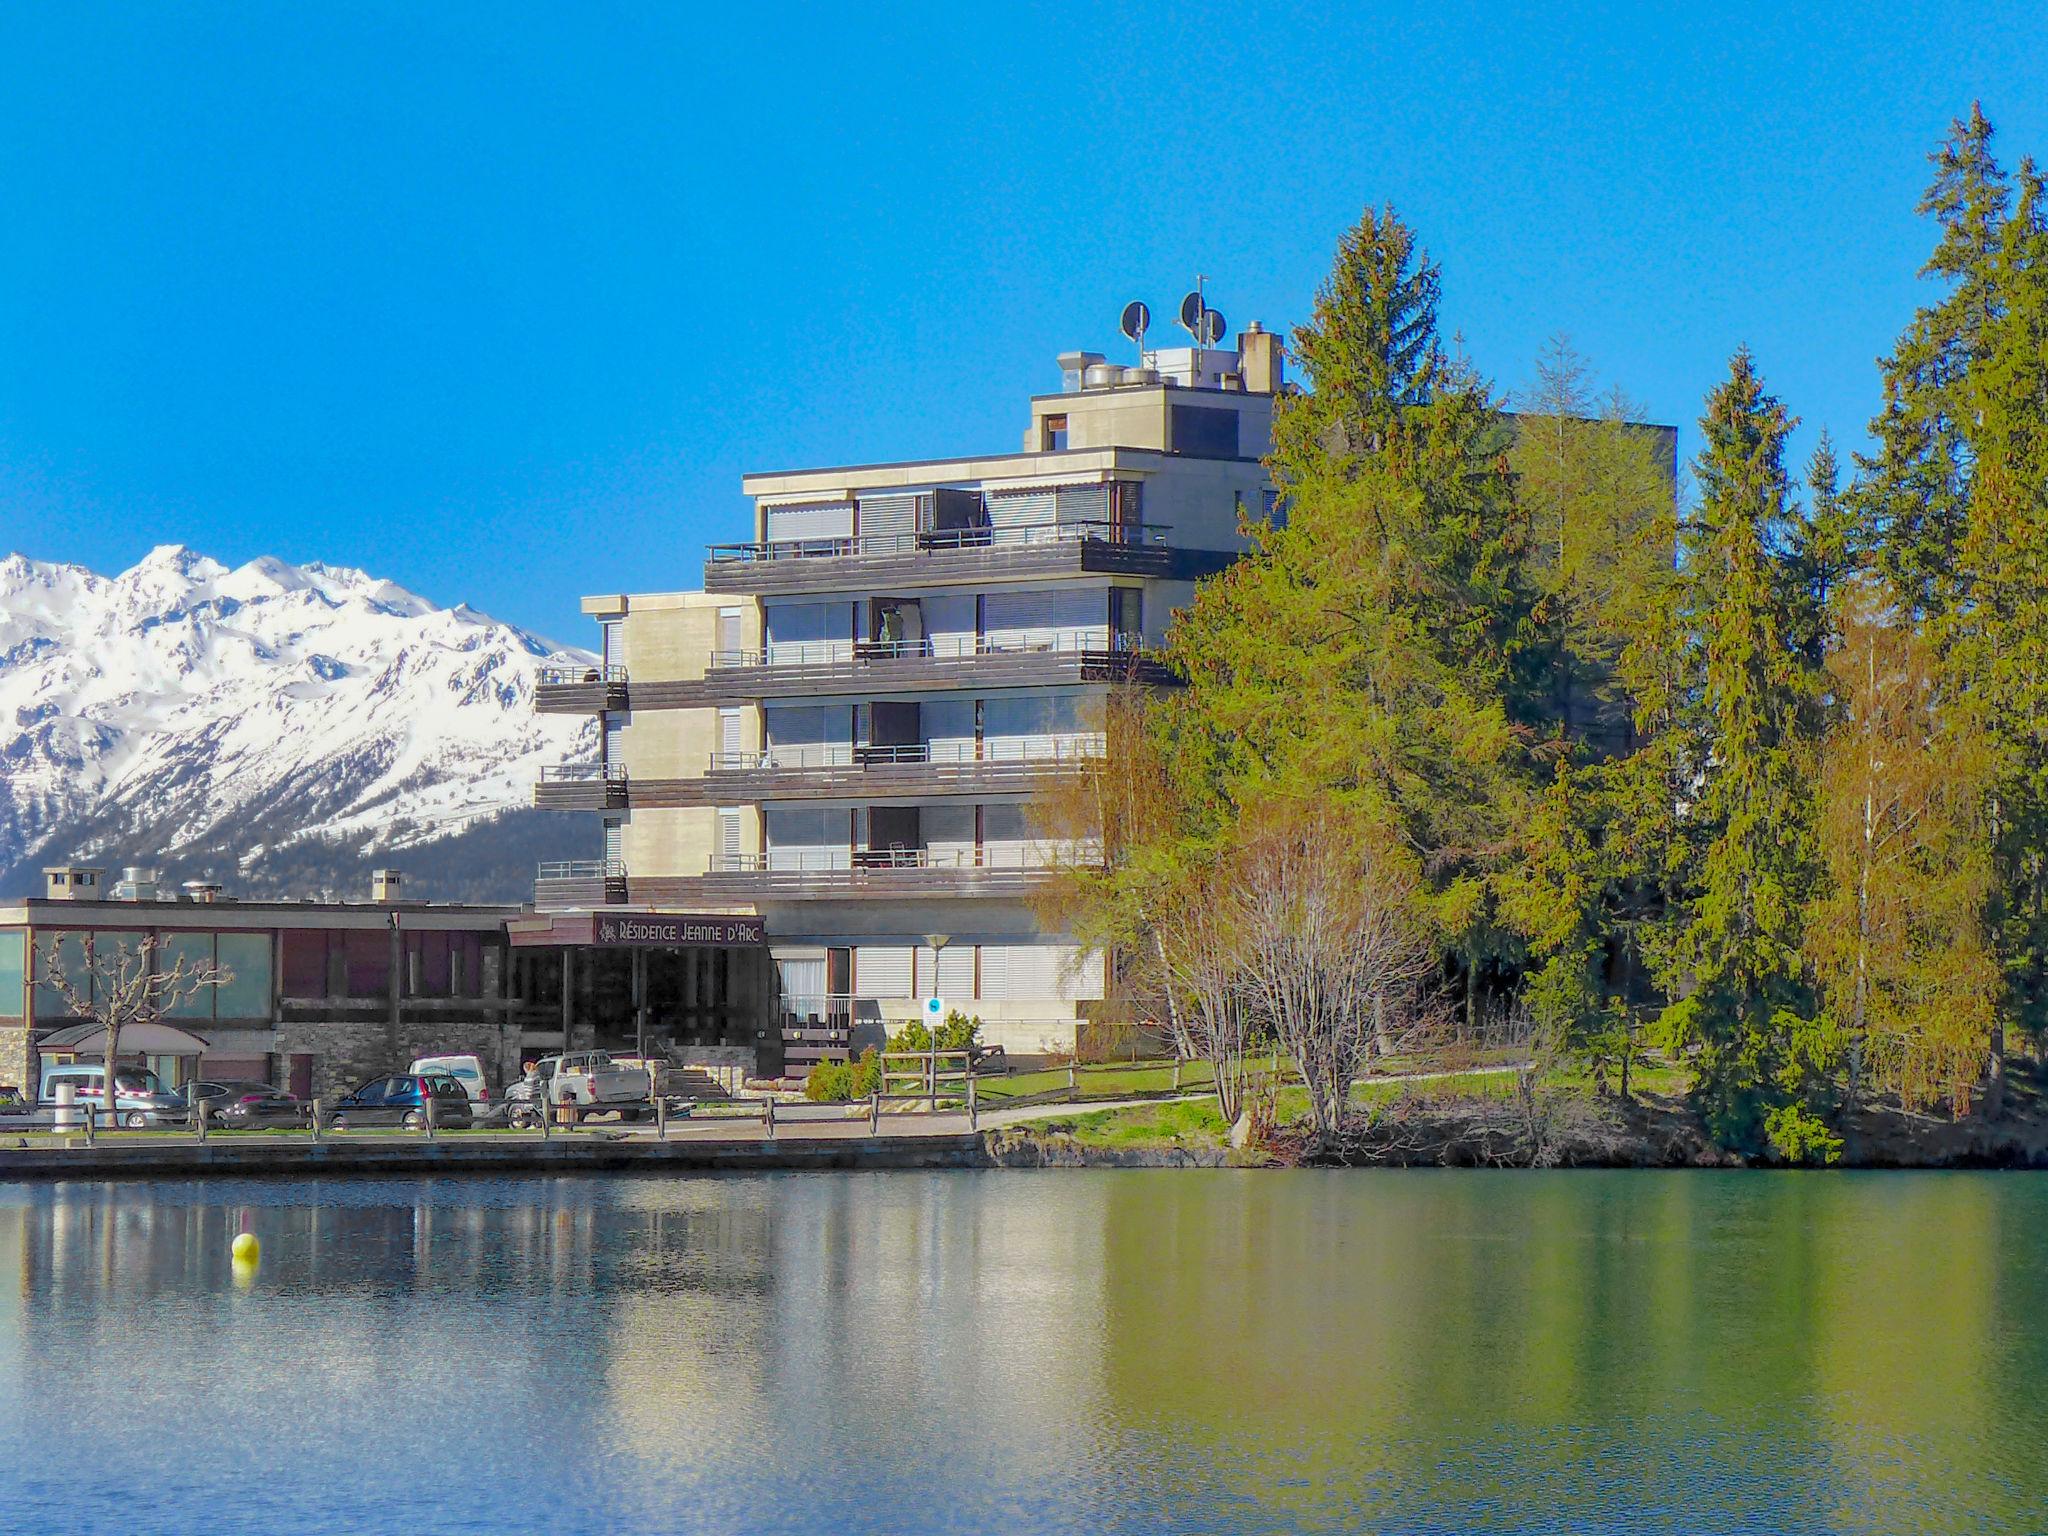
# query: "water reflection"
x,y
1120,1351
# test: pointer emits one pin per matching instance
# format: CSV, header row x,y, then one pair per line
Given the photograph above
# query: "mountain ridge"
x,y
278,727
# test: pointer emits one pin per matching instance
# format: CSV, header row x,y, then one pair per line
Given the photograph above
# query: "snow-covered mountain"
x,y
281,727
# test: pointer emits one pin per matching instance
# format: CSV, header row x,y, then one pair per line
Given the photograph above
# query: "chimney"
x,y
1259,360
205,891
136,884
72,882
384,885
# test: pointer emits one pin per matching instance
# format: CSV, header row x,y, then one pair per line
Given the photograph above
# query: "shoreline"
x,y
1050,1143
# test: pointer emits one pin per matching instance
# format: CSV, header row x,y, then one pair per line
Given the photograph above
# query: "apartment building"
x,y
840,732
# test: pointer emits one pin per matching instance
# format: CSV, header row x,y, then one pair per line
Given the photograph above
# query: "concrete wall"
x,y
349,1051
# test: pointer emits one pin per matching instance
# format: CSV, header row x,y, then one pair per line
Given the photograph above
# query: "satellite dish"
x,y
1136,318
1212,327
1191,310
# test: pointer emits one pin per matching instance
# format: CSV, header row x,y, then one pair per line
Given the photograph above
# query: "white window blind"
x,y
882,970
884,519
955,979
1064,617
810,520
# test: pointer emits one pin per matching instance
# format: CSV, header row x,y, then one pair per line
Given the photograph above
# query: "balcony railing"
x,y
580,690
1018,856
581,787
963,755
558,676
582,869
941,539
1095,639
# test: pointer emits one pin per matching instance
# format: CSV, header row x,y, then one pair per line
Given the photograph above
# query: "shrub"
x,y
957,1033
841,1082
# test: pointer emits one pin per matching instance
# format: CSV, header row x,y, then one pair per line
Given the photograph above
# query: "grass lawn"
x,y
1196,1123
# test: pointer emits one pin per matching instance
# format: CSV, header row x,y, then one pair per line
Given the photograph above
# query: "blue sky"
x,y
499,302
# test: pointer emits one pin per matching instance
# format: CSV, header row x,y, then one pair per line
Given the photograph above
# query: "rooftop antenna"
x,y
1198,319
1136,318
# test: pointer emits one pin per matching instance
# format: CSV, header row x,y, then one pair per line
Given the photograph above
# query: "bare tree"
x,y
129,986
1335,960
1201,959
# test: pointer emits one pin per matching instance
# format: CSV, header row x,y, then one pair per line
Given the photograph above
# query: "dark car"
x,y
241,1103
402,1100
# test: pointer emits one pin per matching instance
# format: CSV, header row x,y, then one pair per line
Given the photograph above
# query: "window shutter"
x,y
809,520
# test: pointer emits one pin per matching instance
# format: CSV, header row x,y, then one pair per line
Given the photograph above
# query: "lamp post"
x,y
938,942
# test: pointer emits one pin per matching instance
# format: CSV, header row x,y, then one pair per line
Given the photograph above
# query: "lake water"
x,y
1031,1352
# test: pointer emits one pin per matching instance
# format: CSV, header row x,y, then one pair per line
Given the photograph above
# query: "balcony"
x,y
563,883
848,770
579,690
948,555
797,670
905,873
581,787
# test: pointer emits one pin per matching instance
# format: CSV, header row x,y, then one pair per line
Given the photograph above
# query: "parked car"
x,y
593,1082
140,1098
215,1095
466,1070
249,1106
402,1100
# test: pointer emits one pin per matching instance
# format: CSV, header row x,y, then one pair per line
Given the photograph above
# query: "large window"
x,y
247,995
70,959
193,951
13,973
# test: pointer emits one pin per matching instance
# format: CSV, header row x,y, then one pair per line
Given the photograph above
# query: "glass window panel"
x,y
13,973
192,950
247,995
70,959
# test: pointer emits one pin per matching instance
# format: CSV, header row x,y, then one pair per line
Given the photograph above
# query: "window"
x,y
305,962
193,951
246,995
1203,431
1055,434
13,973
49,1002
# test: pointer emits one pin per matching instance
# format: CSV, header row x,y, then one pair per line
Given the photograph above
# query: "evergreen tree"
x,y
1763,1062
1915,490
1361,652
1997,642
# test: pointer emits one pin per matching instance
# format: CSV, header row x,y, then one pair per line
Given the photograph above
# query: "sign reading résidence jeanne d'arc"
x,y
662,928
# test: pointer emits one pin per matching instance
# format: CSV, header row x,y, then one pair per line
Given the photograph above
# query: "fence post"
x,y
429,1117
91,1111
1176,1072
973,1105
874,1112
547,1111
768,1115
1073,1082
198,1115
660,1119
318,1111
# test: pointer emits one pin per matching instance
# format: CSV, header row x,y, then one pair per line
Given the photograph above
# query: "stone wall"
x,y
14,1054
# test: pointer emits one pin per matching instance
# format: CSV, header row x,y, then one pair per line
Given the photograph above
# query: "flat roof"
x,y
282,912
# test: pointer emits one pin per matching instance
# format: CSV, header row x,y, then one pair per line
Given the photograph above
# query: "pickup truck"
x,y
593,1082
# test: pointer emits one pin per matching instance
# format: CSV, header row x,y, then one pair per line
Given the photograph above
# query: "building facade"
x,y
321,996
840,732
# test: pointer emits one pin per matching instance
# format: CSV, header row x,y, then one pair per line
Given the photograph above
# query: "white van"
x,y
466,1070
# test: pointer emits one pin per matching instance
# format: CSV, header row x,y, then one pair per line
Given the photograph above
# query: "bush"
x,y
842,1082
957,1033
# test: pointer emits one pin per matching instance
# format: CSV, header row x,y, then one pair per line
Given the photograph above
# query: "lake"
x,y
1115,1351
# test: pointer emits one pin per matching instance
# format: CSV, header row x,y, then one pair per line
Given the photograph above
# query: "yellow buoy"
x,y
246,1249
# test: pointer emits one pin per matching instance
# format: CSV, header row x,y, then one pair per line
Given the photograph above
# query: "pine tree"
x,y
1997,642
1363,648
1762,1062
1915,490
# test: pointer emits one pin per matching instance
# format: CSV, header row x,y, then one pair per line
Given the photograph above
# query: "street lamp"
x,y
938,942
